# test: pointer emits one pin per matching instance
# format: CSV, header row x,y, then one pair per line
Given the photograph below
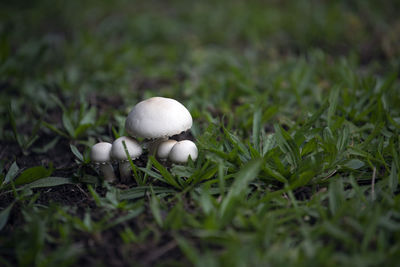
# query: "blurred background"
x,y
93,60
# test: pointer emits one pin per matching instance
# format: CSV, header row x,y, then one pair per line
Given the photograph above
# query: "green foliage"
x,y
296,117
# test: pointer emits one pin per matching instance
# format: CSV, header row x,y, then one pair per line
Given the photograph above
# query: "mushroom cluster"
x,y
156,120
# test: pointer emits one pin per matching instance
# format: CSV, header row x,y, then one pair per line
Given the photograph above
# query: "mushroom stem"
x,y
108,172
125,171
153,145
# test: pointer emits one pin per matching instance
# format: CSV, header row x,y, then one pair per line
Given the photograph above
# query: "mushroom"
x,y
100,155
164,149
181,151
118,153
158,118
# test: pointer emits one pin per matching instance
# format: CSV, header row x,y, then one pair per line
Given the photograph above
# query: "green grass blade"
x,y
140,192
165,173
55,129
4,214
393,178
50,182
155,208
133,167
12,173
32,174
288,146
76,152
248,173
17,136
333,102
257,130
67,122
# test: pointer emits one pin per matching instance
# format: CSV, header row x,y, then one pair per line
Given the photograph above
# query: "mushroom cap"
x,y
158,117
118,151
181,151
100,152
164,148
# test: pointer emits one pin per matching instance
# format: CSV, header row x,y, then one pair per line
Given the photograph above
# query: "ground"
x,y
296,117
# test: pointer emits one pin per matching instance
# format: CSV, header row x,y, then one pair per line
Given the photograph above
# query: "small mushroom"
x,y
100,155
181,151
118,153
158,118
164,148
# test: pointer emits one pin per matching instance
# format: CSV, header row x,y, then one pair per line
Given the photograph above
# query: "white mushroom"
x,y
158,118
164,149
100,155
118,153
181,151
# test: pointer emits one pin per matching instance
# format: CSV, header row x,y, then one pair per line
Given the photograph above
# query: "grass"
x,y
296,116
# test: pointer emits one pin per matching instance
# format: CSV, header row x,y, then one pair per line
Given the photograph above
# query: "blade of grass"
x,y
4,214
155,208
94,195
257,130
76,152
288,146
12,173
133,167
248,173
165,173
68,124
32,174
14,127
55,129
333,101
140,192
